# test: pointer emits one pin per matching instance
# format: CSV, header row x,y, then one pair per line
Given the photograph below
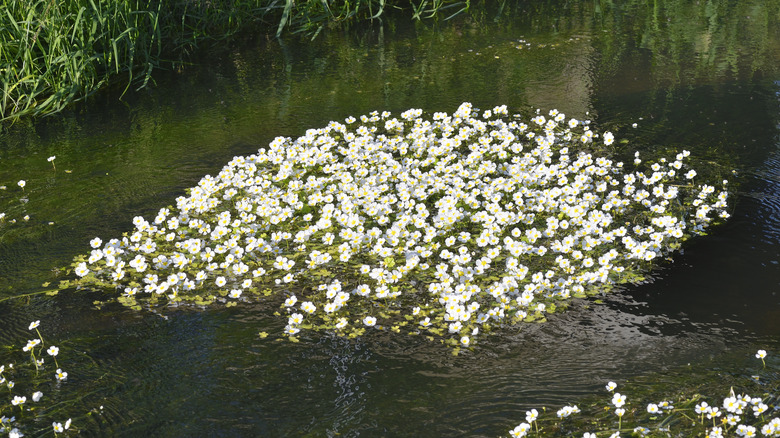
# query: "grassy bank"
x,y
54,52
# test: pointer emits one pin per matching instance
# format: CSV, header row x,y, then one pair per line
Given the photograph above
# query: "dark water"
x,y
704,77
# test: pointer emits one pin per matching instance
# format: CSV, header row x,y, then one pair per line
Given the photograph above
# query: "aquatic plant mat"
x,y
442,225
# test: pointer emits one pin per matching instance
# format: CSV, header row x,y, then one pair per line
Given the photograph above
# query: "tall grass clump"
x,y
54,52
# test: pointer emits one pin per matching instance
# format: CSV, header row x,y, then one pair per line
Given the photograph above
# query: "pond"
x,y
701,77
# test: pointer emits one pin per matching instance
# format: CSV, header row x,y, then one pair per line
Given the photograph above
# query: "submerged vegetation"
x,y
682,413
26,380
34,404
444,225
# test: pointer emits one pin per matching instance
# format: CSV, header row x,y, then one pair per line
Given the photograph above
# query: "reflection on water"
x,y
677,70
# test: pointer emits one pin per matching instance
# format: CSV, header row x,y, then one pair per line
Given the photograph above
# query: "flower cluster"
x,y
740,415
442,225
27,371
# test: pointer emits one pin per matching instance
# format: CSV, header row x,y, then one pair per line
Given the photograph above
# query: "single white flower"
x,y
18,400
82,270
61,375
618,400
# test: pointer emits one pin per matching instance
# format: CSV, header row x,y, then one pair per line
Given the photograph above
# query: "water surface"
x,y
701,77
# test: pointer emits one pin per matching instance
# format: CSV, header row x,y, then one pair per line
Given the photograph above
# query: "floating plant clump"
x,y
443,225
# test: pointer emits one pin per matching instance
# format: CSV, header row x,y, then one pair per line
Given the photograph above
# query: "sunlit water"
x,y
208,373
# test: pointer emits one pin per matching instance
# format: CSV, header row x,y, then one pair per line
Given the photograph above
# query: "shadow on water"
x,y
208,373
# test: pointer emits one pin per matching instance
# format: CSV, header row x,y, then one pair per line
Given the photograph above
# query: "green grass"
x,y
54,52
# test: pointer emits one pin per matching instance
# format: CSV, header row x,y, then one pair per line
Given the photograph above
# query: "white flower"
x,y
61,375
521,430
34,324
22,183
618,400
18,400
761,354
53,351
369,321
31,344
759,409
81,269
37,396
567,410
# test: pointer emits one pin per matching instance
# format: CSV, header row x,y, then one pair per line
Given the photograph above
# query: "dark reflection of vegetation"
x,y
693,42
678,42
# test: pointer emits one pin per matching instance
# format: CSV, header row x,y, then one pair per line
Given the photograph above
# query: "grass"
x,y
55,52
